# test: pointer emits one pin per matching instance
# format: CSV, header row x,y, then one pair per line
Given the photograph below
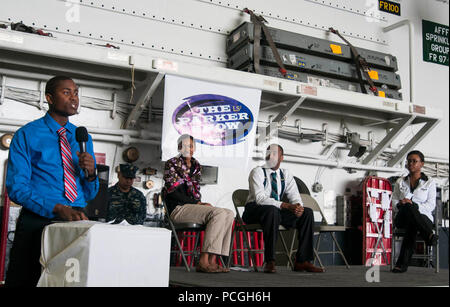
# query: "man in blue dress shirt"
x,y
37,178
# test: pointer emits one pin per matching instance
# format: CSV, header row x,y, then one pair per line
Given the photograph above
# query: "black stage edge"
x,y
335,276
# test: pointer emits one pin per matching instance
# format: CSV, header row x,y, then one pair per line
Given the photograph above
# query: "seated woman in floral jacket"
x,y
183,199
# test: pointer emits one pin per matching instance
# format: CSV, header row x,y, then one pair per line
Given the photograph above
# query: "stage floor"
x,y
335,276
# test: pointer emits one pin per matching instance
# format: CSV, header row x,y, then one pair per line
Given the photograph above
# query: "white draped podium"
x,y
92,254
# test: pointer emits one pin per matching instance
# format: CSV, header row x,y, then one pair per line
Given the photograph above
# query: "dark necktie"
x,y
274,184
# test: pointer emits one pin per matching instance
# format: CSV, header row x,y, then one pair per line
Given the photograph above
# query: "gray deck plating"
x,y
335,276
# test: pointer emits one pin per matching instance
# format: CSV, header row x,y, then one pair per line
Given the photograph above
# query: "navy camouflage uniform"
x,y
130,206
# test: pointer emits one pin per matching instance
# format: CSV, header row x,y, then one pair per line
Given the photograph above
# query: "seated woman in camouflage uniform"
x,y
124,201
183,199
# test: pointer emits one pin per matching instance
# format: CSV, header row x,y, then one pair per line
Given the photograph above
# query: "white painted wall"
x,y
195,31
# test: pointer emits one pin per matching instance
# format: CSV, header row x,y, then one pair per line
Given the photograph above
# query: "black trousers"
x,y
409,218
271,218
24,268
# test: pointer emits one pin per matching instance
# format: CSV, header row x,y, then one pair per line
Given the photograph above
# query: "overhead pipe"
x,y
324,156
436,160
45,77
428,159
123,139
322,160
143,134
340,165
334,146
126,140
338,145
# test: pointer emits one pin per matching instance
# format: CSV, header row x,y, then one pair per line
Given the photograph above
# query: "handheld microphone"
x,y
81,135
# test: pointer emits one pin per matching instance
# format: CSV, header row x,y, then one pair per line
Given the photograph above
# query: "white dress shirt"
x,y
424,195
261,194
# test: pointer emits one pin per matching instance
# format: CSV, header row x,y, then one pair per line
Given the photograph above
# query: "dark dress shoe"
x,y
308,267
269,267
401,269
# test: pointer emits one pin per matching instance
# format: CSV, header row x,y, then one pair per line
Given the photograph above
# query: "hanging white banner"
x,y
221,118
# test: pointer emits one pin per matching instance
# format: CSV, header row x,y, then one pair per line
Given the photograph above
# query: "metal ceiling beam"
x,y
382,122
388,139
414,141
143,101
280,118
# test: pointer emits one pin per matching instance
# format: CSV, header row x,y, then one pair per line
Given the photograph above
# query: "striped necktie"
x,y
274,184
70,185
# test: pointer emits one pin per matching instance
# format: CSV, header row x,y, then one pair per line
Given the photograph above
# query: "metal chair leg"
x,y
437,256
340,250
436,249
392,252
316,251
318,259
221,261
252,255
195,254
294,237
181,250
175,234
230,253
286,250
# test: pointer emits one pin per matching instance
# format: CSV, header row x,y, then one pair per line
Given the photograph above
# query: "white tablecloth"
x,y
87,253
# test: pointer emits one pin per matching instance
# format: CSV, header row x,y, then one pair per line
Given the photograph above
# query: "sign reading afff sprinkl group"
x,y
435,42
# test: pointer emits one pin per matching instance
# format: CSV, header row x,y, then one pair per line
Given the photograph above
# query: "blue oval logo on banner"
x,y
213,119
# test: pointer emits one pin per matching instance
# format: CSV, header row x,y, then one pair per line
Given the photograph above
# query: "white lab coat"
x,y
424,195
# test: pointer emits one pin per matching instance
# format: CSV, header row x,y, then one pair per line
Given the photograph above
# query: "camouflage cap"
x,y
128,170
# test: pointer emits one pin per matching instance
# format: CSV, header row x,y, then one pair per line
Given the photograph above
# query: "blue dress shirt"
x,y
35,177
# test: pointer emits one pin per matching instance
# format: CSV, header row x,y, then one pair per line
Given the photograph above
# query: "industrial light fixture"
x,y
356,149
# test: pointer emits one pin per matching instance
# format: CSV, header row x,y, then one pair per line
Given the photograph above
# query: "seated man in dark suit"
x,y
268,184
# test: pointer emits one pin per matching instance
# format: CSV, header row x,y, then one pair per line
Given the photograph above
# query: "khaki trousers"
x,y
218,222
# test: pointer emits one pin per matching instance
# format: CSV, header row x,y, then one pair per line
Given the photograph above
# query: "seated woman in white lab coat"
x,y
414,200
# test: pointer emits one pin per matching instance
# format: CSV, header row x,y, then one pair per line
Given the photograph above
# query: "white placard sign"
x,y
221,118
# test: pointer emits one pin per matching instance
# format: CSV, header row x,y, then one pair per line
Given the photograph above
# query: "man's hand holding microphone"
x,y
85,159
87,164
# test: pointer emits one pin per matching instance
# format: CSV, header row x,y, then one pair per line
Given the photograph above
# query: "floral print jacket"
x,y
177,173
